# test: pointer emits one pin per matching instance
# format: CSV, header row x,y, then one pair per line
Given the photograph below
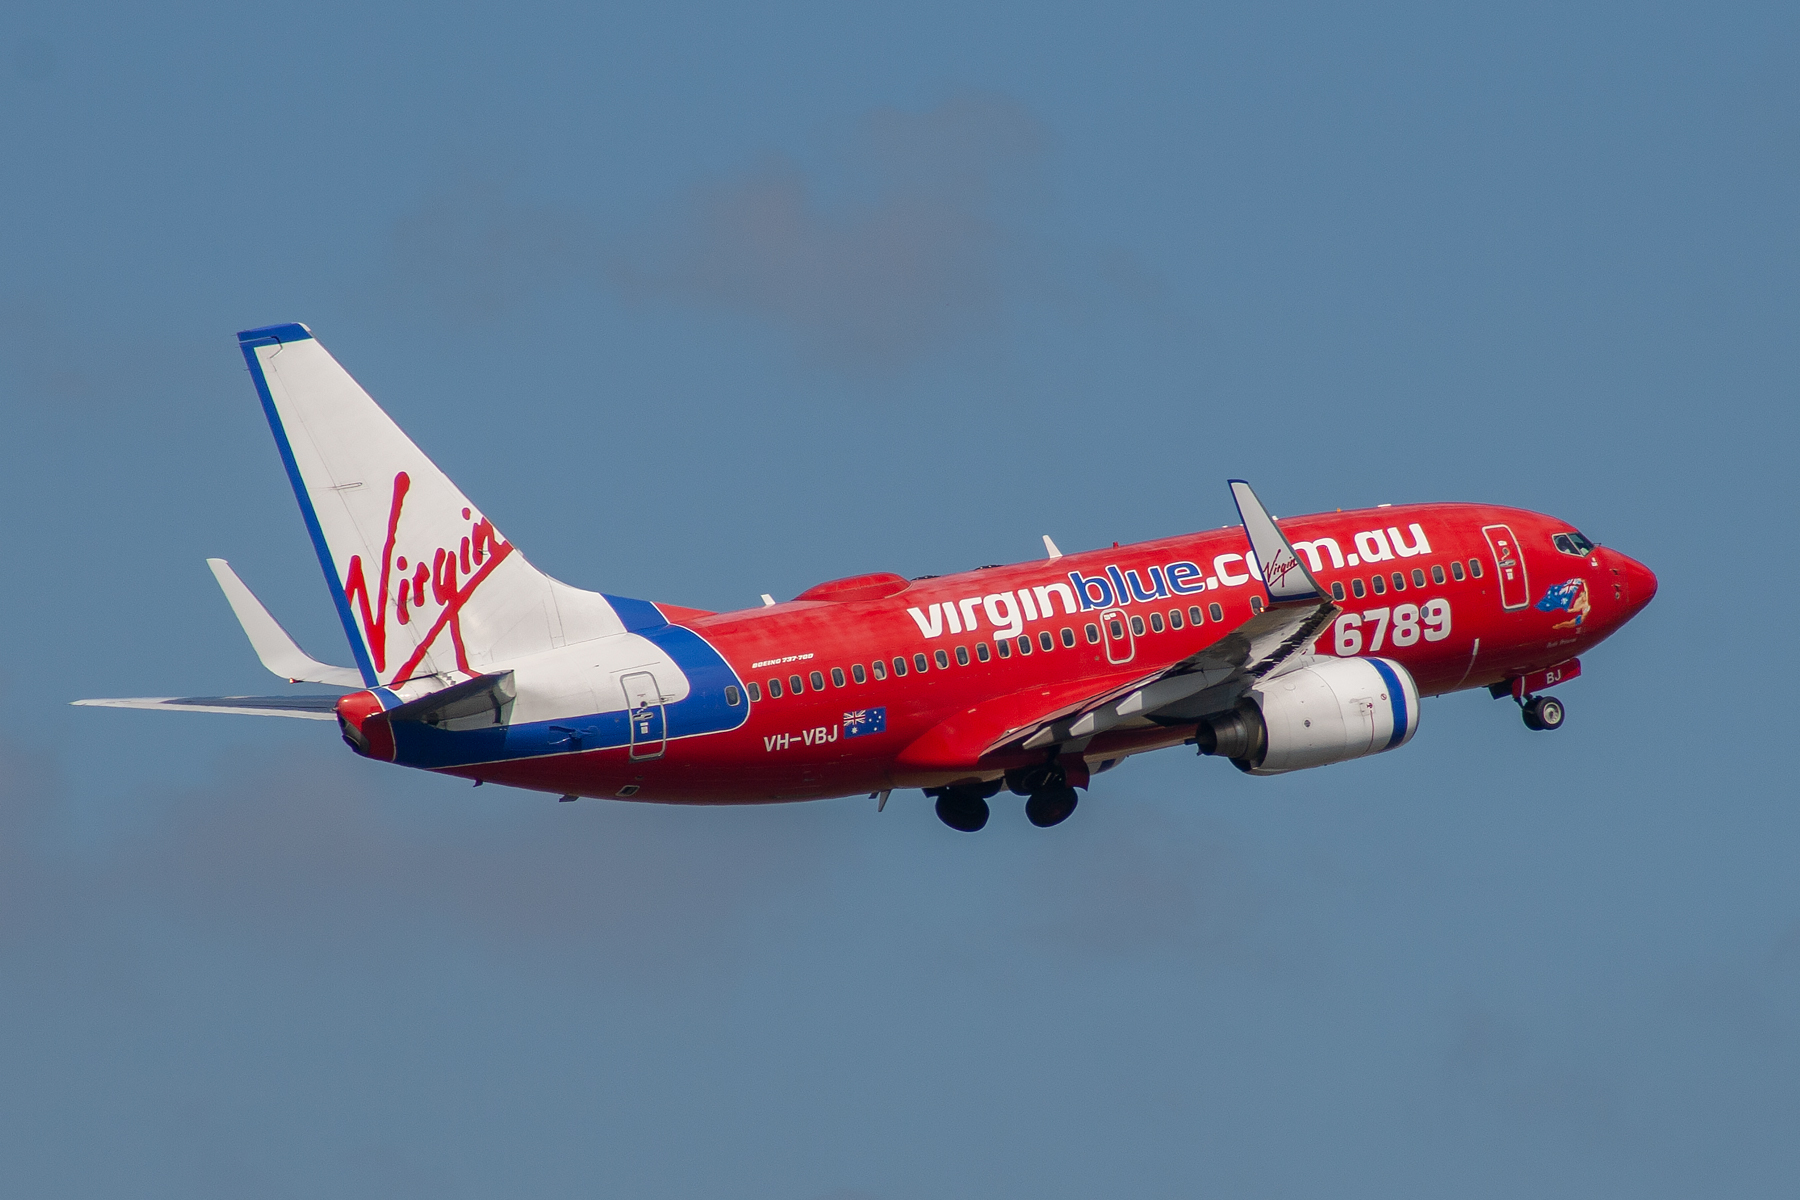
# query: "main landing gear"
x,y
1048,798
964,807
1051,806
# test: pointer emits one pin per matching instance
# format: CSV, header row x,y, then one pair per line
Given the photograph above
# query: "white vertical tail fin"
x,y
423,582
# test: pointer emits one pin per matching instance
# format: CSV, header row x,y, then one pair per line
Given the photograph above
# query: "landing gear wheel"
x,y
963,813
1543,713
1051,806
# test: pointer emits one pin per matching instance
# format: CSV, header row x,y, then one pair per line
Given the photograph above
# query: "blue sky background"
x,y
703,301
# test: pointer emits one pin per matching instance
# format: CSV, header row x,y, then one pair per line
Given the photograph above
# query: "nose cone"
x,y
1640,583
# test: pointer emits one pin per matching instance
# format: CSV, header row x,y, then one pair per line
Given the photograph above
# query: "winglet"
x,y
270,641
1286,577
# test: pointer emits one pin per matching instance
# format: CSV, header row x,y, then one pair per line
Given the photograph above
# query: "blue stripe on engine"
x,y
1396,697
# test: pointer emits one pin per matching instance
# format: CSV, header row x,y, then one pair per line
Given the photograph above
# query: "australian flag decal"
x,y
865,720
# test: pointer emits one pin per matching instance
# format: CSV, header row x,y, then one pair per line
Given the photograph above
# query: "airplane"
x,y
1278,645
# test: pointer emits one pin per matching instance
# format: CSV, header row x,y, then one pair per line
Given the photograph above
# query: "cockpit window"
x,y
1573,543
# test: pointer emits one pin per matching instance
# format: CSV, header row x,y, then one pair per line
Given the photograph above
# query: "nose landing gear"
x,y
1542,713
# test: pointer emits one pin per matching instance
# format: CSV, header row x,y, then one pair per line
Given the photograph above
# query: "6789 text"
x,y
1402,625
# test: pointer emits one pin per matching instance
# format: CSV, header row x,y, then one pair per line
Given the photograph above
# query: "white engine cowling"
x,y
1332,711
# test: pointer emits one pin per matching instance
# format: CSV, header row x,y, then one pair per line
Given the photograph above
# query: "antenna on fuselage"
x,y
768,600
1051,547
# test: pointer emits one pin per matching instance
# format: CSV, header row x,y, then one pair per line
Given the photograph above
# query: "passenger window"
x,y
1399,581
1046,641
1004,646
1456,571
919,663
1475,567
1437,573
880,669
818,682
899,667
1093,633
1024,643
774,689
1337,591
733,697
1156,625
1068,636
1218,614
943,660
837,677
1116,627
755,690
857,673
981,651
1195,617
1356,587
962,656
1174,618
796,685
1137,626
1256,605
1419,578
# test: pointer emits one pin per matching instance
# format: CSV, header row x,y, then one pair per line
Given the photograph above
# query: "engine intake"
x,y
1333,711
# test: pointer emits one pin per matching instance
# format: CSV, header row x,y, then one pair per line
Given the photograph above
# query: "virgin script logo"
x,y
1276,573
445,583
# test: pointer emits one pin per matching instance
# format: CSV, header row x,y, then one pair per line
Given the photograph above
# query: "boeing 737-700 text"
x,y
1278,645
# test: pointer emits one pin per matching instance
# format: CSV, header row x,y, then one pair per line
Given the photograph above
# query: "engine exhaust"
x,y
1239,735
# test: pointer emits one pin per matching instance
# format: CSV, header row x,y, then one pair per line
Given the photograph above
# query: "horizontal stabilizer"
x,y
308,708
278,652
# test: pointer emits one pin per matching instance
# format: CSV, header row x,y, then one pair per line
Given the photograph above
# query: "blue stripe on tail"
x,y
270,335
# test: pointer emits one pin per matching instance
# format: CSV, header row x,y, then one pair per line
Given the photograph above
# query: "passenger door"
x,y
1509,564
644,709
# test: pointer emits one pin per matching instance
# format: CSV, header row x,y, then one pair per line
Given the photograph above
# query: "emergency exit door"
x,y
1120,647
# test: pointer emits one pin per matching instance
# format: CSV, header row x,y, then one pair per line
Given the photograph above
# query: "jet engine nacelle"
x,y
1337,709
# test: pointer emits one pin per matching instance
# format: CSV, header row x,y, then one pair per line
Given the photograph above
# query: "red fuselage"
x,y
1463,595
